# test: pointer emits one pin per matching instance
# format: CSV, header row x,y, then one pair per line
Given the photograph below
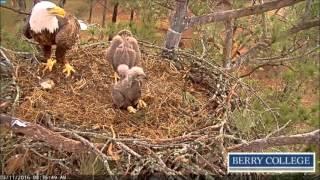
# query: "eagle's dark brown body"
x,y
64,37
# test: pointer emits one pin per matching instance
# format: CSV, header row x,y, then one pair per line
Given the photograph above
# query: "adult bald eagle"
x,y
50,25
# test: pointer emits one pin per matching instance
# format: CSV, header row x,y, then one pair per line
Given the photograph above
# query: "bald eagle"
x,y
50,25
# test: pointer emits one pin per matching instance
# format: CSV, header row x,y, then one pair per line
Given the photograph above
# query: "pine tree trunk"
x,y
90,11
177,25
104,13
227,49
115,13
22,5
264,23
131,15
228,41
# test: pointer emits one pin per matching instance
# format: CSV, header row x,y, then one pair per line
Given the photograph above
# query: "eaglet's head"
x,y
137,73
123,70
43,16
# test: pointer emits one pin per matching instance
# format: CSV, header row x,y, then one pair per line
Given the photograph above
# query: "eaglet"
x,y
124,49
127,92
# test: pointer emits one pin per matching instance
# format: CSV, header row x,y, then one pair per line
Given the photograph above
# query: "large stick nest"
x,y
179,132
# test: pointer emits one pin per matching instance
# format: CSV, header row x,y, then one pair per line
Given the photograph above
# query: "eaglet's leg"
x,y
116,77
60,54
47,56
131,109
141,104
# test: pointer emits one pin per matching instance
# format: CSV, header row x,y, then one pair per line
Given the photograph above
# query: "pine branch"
x,y
15,10
237,13
261,144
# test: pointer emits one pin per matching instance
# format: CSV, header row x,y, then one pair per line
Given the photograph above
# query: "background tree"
x,y
104,13
91,4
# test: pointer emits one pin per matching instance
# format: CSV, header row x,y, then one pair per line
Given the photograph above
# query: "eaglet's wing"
x,y
117,97
134,43
115,43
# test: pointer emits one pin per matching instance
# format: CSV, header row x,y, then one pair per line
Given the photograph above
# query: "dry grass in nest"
x,y
85,99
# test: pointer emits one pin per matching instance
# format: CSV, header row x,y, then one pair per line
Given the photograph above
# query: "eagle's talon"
x,y
131,109
141,104
68,69
49,65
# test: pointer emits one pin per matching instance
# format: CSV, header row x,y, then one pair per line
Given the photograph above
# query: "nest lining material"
x,y
85,100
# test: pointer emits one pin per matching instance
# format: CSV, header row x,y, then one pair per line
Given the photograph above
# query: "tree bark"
x,y
228,41
14,3
131,15
104,13
304,25
90,11
115,13
237,13
264,22
177,26
307,10
261,144
22,5
39,133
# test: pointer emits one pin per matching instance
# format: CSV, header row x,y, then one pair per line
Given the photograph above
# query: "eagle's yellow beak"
x,y
57,11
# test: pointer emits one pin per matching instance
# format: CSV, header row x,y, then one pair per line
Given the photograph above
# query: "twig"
x,y
278,130
6,58
125,147
287,58
15,52
16,99
45,157
102,156
215,168
204,50
14,10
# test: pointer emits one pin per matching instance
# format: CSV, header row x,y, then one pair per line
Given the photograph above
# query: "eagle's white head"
x,y
43,16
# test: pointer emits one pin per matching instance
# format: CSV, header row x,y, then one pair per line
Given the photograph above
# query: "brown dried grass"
x,y
85,99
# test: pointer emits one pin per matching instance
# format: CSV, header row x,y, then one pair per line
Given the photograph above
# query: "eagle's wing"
x,y
68,33
27,29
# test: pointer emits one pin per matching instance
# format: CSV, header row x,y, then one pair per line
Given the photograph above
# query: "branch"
x,y
163,5
304,25
39,133
245,57
260,144
256,68
15,10
286,59
237,13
